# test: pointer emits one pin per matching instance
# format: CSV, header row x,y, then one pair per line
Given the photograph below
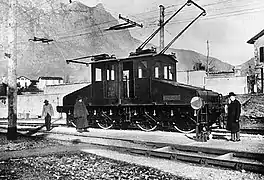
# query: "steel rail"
x,y
201,155
216,132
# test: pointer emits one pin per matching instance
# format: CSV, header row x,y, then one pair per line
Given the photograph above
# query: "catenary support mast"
x,y
11,56
162,27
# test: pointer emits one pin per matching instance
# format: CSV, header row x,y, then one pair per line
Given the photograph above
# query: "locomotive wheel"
x,y
185,124
147,123
105,122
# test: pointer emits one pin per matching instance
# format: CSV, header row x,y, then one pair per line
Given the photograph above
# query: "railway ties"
x,y
160,145
206,156
193,153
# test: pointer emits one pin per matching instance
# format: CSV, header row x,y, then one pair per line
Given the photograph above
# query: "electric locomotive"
x,y
142,90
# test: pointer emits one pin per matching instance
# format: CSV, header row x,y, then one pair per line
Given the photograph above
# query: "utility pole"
x,y
161,25
11,56
207,59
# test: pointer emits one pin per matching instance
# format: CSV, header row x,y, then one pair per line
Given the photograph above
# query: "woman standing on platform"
x,y
234,110
80,114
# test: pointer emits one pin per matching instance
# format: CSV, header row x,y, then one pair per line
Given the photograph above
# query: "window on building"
x,y
261,54
98,74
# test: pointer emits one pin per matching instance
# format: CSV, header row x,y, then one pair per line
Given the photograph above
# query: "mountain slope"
x,y
77,30
188,58
245,66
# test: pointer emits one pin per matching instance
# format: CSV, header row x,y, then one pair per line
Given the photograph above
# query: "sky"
x,y
228,25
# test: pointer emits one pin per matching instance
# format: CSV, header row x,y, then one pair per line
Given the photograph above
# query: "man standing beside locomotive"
x,y
80,114
47,112
233,114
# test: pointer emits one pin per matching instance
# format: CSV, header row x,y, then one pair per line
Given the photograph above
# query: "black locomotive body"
x,y
141,90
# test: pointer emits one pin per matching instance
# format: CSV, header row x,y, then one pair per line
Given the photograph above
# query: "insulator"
x,y
94,112
154,112
135,113
172,113
110,113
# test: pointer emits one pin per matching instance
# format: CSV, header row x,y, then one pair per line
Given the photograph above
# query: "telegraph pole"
x,y
11,56
207,58
162,29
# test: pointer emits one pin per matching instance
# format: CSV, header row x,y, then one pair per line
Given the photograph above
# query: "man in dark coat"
x,y
233,114
80,113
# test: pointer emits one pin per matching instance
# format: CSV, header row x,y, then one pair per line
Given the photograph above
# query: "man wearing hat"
x,y
47,112
233,114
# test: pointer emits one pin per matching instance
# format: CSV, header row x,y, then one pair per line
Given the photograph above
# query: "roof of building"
x,y
23,77
50,78
253,39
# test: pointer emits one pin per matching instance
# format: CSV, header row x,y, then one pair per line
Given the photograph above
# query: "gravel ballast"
x,y
98,164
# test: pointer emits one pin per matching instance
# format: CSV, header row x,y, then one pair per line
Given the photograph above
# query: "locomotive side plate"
x,y
176,97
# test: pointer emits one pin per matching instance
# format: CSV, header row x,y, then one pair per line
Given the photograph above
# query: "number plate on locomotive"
x,y
171,97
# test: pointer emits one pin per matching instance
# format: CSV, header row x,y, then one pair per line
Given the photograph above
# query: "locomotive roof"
x,y
172,56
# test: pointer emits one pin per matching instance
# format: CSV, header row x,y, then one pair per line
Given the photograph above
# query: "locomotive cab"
x,y
128,80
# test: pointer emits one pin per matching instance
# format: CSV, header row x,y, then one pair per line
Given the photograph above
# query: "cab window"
x,y
110,73
168,72
142,69
156,72
98,74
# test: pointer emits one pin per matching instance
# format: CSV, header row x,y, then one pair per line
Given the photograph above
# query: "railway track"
x,y
237,160
200,155
232,159
26,125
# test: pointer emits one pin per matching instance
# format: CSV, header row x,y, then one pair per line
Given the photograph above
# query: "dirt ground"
x,y
252,111
67,165
252,105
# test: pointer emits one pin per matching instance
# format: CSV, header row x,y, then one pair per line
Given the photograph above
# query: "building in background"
x,y
43,81
23,81
258,42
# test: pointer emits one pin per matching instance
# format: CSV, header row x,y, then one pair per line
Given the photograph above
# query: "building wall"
x,y
194,78
224,85
258,43
30,105
24,82
43,82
